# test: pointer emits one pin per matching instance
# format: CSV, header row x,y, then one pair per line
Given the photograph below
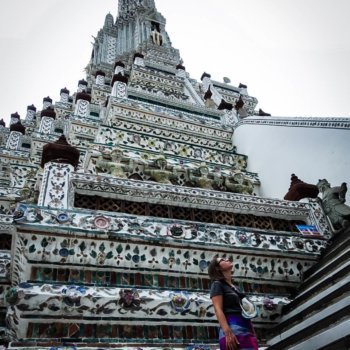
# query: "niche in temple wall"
x,y
157,37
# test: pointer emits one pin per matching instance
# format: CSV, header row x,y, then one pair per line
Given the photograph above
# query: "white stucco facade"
x,y
277,151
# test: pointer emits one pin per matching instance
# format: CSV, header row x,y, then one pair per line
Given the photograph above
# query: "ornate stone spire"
x,y
139,25
127,7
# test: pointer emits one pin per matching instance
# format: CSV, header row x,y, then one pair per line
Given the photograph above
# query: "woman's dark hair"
x,y
214,271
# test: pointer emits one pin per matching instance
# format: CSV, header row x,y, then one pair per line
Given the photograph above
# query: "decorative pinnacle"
x,y
127,6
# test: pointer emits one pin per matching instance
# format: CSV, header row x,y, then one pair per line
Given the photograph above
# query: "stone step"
x,y
321,284
315,305
328,272
332,324
338,245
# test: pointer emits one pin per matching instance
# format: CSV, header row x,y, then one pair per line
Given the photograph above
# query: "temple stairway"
x,y
319,316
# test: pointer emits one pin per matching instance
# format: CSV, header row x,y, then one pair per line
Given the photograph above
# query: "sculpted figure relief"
x,y
238,183
201,178
333,202
112,163
160,171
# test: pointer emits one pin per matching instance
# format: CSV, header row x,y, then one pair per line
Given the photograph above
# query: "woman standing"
x,y
236,332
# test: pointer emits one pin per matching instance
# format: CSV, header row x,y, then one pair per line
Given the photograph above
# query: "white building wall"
x,y
275,152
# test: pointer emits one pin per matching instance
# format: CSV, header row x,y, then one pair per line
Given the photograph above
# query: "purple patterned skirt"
x,y
243,330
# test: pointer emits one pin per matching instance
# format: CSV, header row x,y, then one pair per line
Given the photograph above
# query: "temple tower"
x,y
115,198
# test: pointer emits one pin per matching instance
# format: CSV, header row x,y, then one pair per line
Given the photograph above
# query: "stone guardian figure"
x,y
333,202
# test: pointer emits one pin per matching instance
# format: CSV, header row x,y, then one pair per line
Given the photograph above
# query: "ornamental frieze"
x,y
121,254
160,90
200,114
146,74
123,132
85,303
328,123
185,135
20,174
63,113
13,157
81,130
169,117
99,93
174,231
113,138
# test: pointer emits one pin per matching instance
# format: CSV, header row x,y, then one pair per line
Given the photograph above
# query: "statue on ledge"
x,y
200,177
237,182
160,173
333,202
113,165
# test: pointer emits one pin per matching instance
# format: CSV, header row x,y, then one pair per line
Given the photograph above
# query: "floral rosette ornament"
x,y
269,305
72,295
20,212
101,222
179,301
62,218
176,231
129,299
242,237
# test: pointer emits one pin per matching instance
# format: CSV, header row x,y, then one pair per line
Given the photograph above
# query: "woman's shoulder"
x,y
217,283
216,288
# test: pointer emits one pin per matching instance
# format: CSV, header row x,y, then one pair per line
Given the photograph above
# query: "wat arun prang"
x,y
115,198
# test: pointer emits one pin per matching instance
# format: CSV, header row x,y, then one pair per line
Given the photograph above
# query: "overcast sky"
x,y
294,55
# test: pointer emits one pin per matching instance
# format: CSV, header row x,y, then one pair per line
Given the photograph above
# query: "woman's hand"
x,y
231,341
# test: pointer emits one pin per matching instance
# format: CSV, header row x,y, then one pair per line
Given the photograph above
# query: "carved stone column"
x,y
119,68
31,110
59,159
82,85
64,94
47,102
100,77
139,59
82,104
119,86
16,132
15,118
206,81
180,71
47,118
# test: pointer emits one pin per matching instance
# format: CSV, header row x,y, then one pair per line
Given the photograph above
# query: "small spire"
x,y
31,108
18,127
126,7
109,21
47,99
